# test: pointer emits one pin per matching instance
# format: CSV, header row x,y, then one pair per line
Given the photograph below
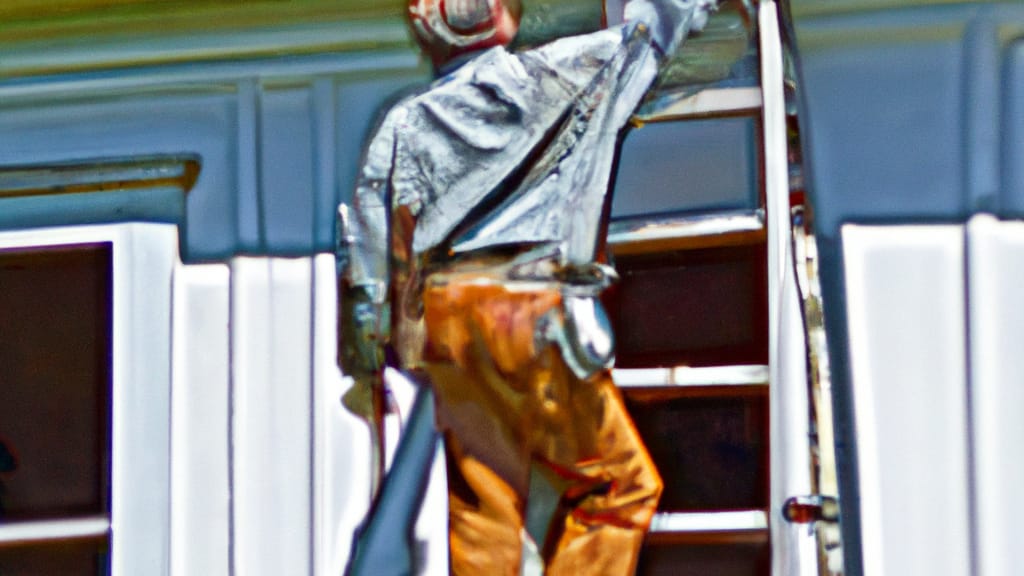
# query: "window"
x,y
84,399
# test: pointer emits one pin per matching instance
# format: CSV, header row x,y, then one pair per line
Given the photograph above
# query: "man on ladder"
x,y
475,263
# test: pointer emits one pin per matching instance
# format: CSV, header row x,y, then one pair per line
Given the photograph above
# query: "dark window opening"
x,y
55,401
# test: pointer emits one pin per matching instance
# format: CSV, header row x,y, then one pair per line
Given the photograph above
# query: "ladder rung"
x,y
704,522
681,233
702,528
706,103
741,375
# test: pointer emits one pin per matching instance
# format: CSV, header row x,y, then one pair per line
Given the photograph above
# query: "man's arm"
x,y
365,321
600,78
669,21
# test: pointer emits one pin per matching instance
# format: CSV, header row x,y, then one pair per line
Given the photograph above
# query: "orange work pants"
x,y
514,416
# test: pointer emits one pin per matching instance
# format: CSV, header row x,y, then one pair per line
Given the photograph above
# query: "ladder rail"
x,y
794,548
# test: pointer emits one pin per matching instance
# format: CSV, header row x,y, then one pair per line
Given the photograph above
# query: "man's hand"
x,y
362,318
362,350
670,21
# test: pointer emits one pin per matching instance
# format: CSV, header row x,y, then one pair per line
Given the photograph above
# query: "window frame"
x,y
143,262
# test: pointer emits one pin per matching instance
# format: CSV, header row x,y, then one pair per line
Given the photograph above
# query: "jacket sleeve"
x,y
368,267
365,290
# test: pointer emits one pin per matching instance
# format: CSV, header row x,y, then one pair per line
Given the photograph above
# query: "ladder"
x,y
713,348
712,345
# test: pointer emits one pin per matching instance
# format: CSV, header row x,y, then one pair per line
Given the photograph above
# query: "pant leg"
x,y
507,401
604,528
481,353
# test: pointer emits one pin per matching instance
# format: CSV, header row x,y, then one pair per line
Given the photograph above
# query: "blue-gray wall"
x,y
909,114
278,139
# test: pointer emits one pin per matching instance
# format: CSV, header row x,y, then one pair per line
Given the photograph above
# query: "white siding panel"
x,y
996,257
272,428
905,291
200,490
144,259
342,441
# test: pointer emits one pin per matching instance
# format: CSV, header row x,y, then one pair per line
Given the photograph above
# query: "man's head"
x,y
449,28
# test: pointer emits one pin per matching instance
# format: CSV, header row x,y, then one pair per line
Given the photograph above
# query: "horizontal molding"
x,y
48,530
76,50
819,8
645,236
99,175
67,21
739,375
